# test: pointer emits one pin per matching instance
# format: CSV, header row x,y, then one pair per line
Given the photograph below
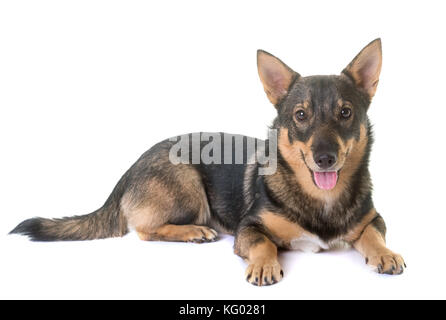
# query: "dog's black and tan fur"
x,y
321,123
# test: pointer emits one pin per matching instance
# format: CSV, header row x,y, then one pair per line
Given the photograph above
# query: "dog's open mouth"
x,y
325,180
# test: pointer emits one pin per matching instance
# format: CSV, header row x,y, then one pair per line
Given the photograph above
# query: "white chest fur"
x,y
308,243
295,237
312,243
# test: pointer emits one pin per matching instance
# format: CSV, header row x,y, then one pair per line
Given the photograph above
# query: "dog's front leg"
x,y
372,245
261,254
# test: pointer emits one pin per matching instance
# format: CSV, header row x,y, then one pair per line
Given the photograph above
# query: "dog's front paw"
x,y
387,262
264,273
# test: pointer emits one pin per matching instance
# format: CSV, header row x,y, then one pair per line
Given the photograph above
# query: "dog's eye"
x,y
300,115
346,112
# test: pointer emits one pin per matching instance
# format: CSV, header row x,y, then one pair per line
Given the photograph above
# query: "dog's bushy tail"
x,y
105,222
97,225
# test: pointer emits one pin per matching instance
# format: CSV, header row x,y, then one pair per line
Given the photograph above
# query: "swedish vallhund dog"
x,y
318,196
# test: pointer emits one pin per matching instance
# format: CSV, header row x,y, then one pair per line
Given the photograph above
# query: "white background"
x,y
88,86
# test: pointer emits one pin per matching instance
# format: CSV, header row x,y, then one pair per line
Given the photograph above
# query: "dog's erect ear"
x,y
366,67
275,75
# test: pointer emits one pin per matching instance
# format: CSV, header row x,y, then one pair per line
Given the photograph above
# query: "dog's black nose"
x,y
325,160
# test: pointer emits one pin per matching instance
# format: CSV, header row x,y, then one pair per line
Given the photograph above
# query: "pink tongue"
x,y
326,180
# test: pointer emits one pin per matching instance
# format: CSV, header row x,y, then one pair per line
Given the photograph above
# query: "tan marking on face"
x,y
356,153
291,153
344,150
356,232
340,102
303,106
344,147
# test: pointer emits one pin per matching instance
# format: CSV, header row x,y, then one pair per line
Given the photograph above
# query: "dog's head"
x,y
322,120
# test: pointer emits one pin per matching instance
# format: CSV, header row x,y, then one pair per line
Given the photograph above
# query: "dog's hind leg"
x,y
171,213
183,233
167,202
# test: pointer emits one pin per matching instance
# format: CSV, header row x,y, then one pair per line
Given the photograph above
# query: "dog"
x,y
318,195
